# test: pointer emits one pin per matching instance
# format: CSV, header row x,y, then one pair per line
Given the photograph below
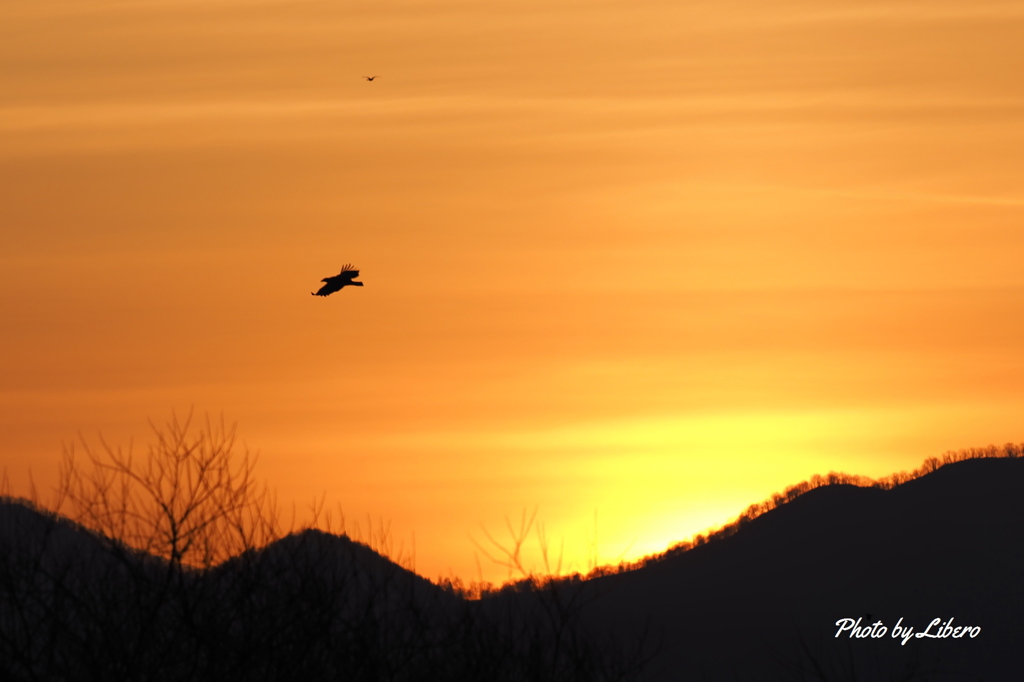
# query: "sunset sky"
x,y
645,262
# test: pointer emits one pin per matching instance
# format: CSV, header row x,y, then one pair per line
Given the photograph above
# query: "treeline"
x,y
172,566
529,581
311,606
1010,450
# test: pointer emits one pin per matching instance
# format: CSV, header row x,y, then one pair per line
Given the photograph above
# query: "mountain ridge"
x,y
950,544
761,601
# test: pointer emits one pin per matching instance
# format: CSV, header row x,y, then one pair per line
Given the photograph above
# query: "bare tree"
x,y
171,564
190,499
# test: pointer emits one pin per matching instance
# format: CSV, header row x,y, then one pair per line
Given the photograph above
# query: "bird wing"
x,y
332,285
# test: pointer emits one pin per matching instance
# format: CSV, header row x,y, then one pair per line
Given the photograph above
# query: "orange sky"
x,y
654,259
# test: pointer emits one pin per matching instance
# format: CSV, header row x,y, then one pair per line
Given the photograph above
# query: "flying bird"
x,y
369,78
343,279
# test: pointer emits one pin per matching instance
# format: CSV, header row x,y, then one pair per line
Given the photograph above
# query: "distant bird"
x,y
343,279
369,78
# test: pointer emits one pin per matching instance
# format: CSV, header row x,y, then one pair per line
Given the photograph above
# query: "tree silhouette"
x,y
172,565
190,499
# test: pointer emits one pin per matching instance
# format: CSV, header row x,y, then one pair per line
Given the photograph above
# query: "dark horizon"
x,y
767,594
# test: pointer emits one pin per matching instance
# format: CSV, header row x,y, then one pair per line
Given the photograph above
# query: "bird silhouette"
x,y
343,279
369,78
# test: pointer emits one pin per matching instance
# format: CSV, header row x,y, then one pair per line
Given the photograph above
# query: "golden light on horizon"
x,y
650,259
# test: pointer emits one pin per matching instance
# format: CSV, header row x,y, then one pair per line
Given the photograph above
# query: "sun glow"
x,y
658,260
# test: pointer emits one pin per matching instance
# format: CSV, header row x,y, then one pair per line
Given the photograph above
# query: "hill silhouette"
x,y
309,606
761,602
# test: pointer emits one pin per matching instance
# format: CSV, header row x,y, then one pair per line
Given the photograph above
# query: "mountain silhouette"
x,y
310,606
760,604
351,577
764,602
